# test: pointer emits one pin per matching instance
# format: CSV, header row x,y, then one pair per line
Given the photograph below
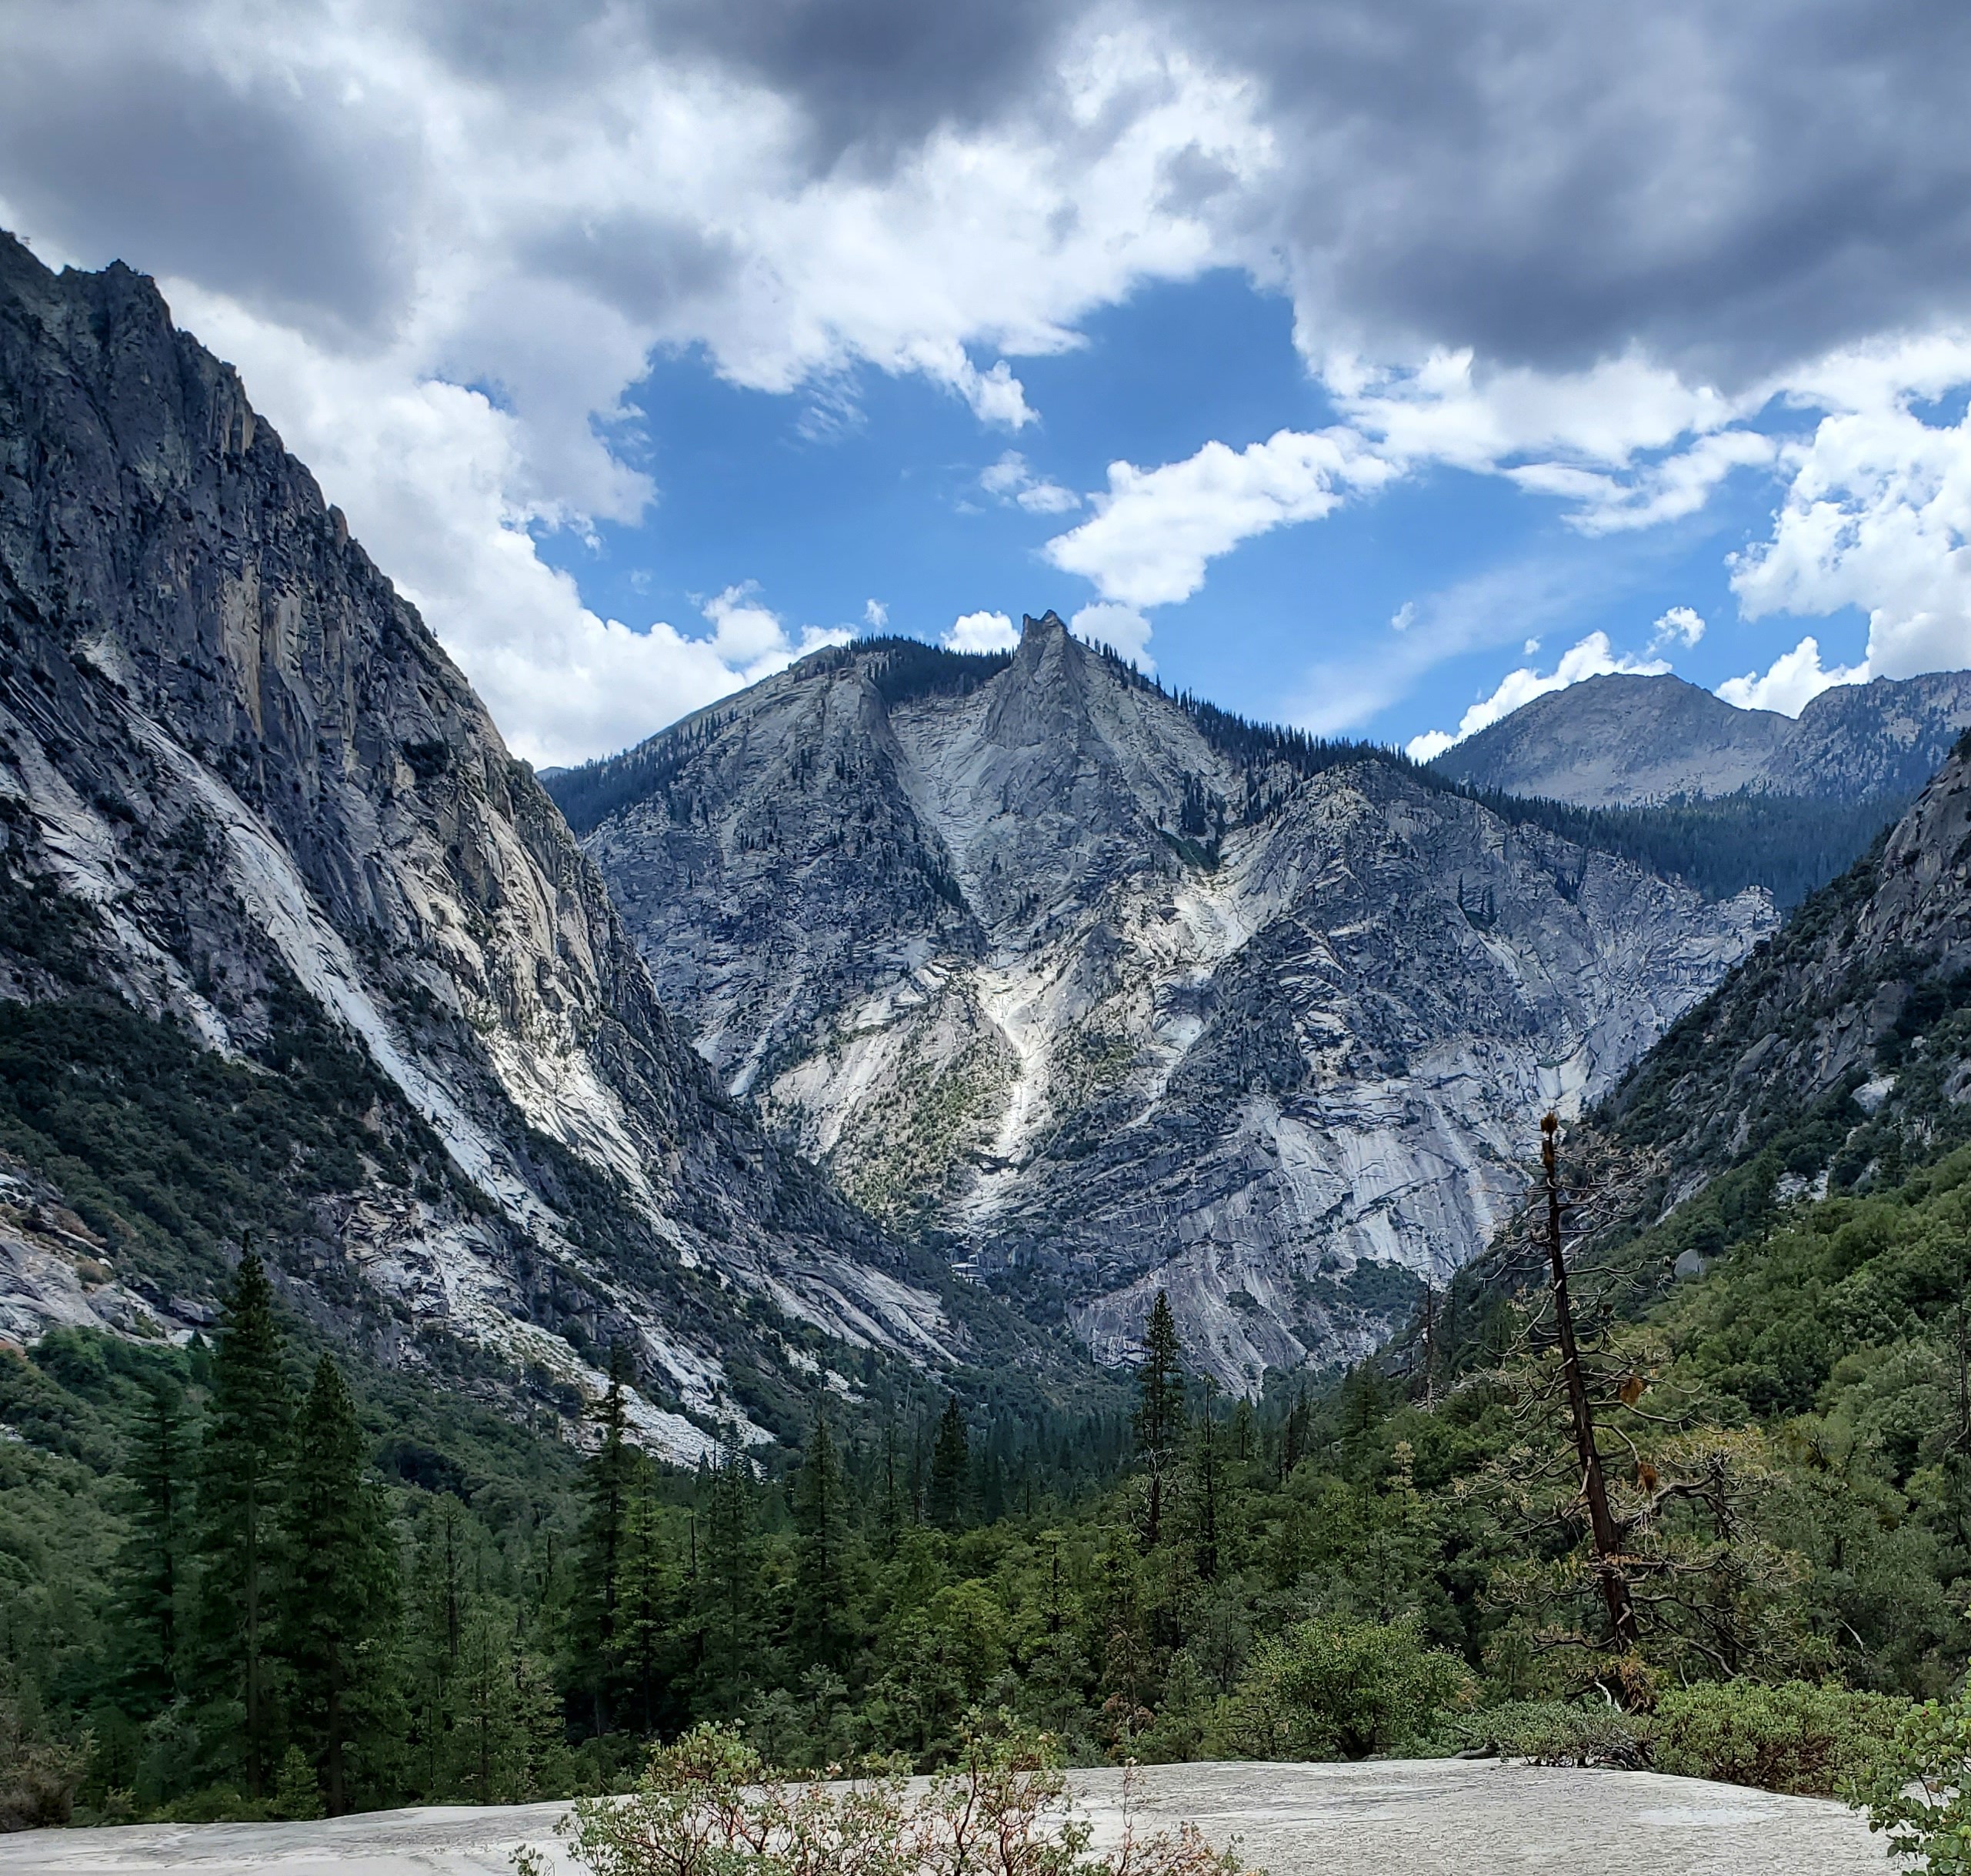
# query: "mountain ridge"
x,y
1106,994
1624,740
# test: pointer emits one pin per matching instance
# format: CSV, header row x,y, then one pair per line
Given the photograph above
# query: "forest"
x,y
236,1581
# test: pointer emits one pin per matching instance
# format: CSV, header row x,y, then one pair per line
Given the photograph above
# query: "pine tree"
x,y
821,1542
437,1615
890,1511
950,1467
1160,1416
649,1598
150,1566
727,1579
607,1484
1209,1507
341,1590
241,1460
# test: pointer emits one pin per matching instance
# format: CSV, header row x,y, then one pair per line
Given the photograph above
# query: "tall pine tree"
x,y
1159,1415
341,1595
726,1580
951,1469
822,1628
151,1564
240,1462
608,1484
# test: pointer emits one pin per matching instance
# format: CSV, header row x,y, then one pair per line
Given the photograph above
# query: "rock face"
x,y
237,764
1107,994
1844,1040
1619,741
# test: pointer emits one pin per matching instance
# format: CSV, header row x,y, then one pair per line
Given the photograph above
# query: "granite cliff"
x,y
1103,991
243,792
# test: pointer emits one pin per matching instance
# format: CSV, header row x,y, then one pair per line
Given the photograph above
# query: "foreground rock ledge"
x,y
1409,1817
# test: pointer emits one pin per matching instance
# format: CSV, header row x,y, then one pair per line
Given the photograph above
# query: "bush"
x,y
1813,1740
1330,1689
708,1806
38,1777
1919,1790
1556,1732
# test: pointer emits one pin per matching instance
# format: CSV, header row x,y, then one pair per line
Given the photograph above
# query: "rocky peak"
x,y
1206,1008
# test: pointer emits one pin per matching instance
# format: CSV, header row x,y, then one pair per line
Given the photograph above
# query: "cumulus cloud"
x,y
1592,657
1577,248
982,631
875,614
1155,531
1011,479
1121,628
1794,680
1680,626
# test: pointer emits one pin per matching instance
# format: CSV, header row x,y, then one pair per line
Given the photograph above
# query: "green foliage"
x,y
1554,1732
1920,1795
1816,1740
1330,1689
711,1806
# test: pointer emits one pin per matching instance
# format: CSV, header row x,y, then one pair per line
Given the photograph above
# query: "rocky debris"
x,y
1108,994
235,767
1618,741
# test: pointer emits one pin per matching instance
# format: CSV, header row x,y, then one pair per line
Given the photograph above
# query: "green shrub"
x,y
1330,1689
1557,1732
1920,1790
1814,1741
709,1806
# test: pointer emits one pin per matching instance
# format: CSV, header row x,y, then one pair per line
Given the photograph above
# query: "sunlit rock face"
x,y
1104,994
227,739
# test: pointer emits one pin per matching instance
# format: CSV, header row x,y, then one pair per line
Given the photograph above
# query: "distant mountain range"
x,y
1622,741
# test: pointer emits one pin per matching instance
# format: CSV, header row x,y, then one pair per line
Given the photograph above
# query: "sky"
x,y
1371,366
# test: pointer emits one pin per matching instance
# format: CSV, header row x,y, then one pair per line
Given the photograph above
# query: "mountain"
x,y
1619,741
1105,993
1836,1055
291,943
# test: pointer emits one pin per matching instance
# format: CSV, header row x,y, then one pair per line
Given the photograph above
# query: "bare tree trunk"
x,y
1594,1487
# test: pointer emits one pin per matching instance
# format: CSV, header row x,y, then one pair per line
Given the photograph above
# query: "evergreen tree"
x,y
1208,1491
436,1609
890,1511
150,1565
648,1595
341,1585
727,1565
822,1630
608,1485
241,1460
951,1466
1160,1416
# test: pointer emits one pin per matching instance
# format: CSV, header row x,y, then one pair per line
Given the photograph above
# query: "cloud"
x,y
1121,628
875,614
1010,479
1679,625
1592,657
1155,531
1794,680
982,631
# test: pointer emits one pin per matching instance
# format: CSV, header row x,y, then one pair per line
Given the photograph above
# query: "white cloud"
x,y
1155,531
1010,479
1794,680
875,614
1679,625
982,631
1121,628
1592,657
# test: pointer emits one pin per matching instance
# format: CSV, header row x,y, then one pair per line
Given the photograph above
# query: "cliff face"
x,y
1105,995
1618,741
242,764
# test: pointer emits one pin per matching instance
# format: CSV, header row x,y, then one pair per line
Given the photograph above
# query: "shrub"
x,y
1920,1790
707,1806
1556,1732
1330,1689
1813,1740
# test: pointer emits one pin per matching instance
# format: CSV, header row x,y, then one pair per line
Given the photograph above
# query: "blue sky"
x,y
644,345
874,492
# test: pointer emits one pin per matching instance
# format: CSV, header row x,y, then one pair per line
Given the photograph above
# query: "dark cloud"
x,y
1732,185
271,194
